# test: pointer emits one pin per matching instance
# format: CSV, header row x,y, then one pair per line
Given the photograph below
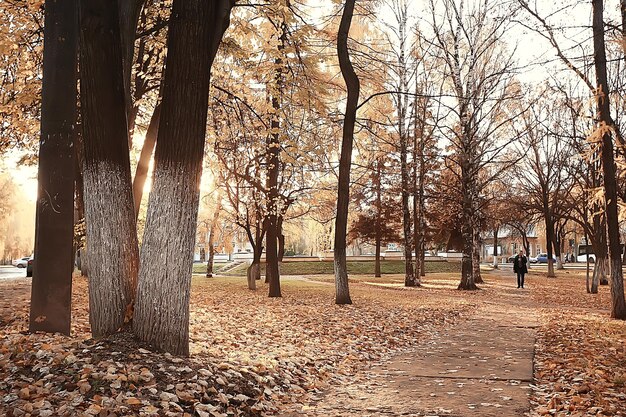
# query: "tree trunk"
x,y
378,221
623,13
557,250
162,313
51,291
599,271
478,279
272,271
216,216
112,251
467,233
128,17
253,273
342,292
410,280
495,247
141,173
618,310
549,240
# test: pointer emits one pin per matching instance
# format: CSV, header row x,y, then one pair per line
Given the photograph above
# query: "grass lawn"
x,y
326,267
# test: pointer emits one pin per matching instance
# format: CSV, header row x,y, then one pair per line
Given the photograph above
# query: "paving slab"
x,y
481,366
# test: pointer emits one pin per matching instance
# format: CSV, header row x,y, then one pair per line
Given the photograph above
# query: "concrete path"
x,y
481,366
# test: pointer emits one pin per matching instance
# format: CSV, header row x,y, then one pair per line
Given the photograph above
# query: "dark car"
x,y
29,267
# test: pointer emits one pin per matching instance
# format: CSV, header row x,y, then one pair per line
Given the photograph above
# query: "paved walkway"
x,y
481,366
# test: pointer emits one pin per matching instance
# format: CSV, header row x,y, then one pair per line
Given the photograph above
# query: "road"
x,y
11,272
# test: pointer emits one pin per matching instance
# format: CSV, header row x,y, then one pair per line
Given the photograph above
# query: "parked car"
x,y
29,267
21,263
542,258
530,259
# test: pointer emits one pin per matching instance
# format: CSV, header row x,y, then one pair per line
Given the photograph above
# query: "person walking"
x,y
520,268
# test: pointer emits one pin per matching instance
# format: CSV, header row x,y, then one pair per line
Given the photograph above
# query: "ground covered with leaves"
x,y
251,355
580,362
254,356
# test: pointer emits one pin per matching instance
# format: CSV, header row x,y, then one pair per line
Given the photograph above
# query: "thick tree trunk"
x,y
478,279
342,292
467,232
162,310
112,250
213,227
495,247
618,309
253,273
51,291
141,173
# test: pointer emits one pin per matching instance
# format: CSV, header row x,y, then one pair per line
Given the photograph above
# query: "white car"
x,y
21,263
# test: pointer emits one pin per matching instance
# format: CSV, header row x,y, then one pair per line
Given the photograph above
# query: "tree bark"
x,y
623,13
618,309
216,216
410,280
549,239
342,292
478,279
51,291
141,173
495,247
128,17
379,215
112,251
162,310
272,271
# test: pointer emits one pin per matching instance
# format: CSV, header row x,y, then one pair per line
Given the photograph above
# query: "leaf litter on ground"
x,y
251,355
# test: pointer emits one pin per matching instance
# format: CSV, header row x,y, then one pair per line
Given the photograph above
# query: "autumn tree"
x,y
376,221
480,76
162,309
52,272
541,174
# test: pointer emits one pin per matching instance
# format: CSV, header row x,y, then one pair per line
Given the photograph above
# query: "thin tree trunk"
x,y
112,250
410,280
623,12
379,215
342,292
557,250
495,247
51,291
272,271
128,17
216,216
549,240
618,309
162,314
141,173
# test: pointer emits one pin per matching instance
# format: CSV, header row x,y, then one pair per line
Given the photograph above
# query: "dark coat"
x,y
523,269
